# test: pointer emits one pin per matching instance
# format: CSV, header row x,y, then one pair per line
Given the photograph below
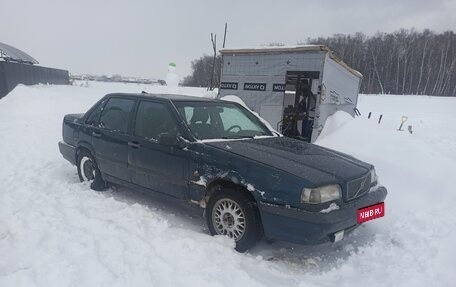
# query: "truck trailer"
x,y
294,88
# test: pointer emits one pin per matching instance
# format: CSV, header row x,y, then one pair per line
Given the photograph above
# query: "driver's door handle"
x,y
96,134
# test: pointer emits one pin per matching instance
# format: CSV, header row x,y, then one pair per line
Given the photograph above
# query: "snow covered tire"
x,y
232,213
88,171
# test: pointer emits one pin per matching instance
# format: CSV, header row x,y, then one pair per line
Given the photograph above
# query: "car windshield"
x,y
219,120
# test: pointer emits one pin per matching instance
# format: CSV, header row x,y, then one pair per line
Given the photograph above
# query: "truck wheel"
x,y
231,213
88,171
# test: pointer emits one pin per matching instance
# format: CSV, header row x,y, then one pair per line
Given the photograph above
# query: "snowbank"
x,y
334,123
55,231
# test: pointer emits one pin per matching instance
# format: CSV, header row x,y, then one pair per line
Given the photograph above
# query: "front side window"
x,y
116,114
214,120
153,119
94,115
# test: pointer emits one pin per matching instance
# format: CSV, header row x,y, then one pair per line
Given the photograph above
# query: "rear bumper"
x,y
68,152
306,227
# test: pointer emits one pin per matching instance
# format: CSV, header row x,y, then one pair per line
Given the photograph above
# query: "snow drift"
x,y
55,231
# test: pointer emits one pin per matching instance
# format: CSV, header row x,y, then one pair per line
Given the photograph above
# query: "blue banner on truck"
x,y
229,85
255,87
278,87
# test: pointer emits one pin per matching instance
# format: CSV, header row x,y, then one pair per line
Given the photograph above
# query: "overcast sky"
x,y
140,37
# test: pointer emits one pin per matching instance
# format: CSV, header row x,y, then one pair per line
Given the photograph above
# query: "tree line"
x,y
202,69
402,62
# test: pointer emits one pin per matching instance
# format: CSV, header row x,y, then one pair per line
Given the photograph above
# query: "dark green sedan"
x,y
250,181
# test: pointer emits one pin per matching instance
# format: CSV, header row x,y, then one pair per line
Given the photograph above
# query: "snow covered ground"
x,y
55,231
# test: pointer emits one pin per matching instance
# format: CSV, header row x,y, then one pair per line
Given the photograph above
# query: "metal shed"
x,y
17,67
295,88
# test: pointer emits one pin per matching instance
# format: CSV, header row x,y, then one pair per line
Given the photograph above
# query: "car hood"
x,y
316,164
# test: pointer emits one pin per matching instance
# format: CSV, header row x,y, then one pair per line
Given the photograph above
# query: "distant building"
x,y
17,67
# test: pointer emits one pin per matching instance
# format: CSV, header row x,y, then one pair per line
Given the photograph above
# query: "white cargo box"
x,y
270,79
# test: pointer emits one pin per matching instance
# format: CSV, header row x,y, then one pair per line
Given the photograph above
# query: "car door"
x,y
156,166
110,138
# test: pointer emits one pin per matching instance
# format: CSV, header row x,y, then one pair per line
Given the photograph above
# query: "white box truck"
x,y
295,88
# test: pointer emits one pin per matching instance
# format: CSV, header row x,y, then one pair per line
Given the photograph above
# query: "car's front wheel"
x,y
88,171
232,213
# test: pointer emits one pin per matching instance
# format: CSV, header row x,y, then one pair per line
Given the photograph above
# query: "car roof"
x,y
174,98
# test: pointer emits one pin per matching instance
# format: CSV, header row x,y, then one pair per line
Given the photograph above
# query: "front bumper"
x,y
307,227
68,152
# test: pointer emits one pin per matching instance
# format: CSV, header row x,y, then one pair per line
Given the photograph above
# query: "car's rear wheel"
x,y
88,171
232,213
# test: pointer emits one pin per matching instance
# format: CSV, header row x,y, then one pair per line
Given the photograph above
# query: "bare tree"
x,y
224,35
214,47
402,62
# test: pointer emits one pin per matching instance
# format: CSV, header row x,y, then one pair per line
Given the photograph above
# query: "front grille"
x,y
358,187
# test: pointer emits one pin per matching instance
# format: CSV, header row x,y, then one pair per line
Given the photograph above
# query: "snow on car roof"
x,y
172,97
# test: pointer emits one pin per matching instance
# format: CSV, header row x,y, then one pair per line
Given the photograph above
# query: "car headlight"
x,y
321,194
374,176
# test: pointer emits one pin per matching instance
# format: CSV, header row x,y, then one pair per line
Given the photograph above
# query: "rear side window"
x,y
116,114
153,119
